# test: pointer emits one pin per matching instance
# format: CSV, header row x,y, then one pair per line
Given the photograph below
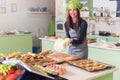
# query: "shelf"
x,y
37,12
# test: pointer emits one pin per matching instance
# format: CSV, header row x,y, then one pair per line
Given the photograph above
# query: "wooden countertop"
x,y
75,73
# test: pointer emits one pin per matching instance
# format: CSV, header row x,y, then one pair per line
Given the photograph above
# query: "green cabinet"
x,y
12,43
105,38
106,56
105,77
111,39
49,45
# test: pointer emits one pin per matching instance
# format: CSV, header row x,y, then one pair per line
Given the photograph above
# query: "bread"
x,y
89,68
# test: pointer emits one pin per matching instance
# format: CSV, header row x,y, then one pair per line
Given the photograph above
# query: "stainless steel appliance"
x,y
60,29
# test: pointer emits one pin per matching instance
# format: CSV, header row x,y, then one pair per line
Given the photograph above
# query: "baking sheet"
x,y
90,65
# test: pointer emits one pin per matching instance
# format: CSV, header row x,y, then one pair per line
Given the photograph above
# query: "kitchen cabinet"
x,y
49,45
106,56
12,43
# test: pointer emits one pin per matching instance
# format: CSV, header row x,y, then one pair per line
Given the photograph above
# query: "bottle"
x,y
101,14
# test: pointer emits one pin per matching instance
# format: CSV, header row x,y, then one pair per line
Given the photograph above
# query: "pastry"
x,y
89,68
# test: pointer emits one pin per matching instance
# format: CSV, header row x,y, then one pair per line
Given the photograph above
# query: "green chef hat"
x,y
74,3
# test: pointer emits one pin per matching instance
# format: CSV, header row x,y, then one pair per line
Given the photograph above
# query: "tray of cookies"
x,y
90,65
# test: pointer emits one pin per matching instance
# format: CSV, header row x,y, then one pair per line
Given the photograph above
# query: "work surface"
x,y
75,73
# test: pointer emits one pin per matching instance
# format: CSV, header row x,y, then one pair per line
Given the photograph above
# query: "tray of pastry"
x,y
89,40
90,65
61,57
43,62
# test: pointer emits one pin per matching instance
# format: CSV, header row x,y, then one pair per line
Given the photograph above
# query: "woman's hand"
x,y
71,40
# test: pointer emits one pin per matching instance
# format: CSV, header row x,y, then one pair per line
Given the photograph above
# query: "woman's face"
x,y
73,12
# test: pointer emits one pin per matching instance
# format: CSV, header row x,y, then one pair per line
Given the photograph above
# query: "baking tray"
x,y
44,62
62,57
90,66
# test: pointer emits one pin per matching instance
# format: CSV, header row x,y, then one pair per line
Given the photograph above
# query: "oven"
x,y
60,29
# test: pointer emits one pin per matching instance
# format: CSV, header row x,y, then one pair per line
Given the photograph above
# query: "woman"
x,y
76,29
118,8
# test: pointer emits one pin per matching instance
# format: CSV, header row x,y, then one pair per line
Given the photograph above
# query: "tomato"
x,y
1,77
18,72
11,77
11,71
0,73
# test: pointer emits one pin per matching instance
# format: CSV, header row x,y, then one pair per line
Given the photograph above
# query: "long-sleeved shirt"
x,y
81,33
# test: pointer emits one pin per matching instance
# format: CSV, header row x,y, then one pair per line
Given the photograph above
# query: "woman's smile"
x,y
73,12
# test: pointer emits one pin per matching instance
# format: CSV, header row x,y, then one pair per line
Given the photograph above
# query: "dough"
x,y
60,43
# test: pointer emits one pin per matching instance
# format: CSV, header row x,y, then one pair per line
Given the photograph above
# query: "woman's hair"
x,y
70,22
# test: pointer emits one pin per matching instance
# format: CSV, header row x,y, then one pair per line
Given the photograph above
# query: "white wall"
x,y
111,5
101,24
21,20
105,3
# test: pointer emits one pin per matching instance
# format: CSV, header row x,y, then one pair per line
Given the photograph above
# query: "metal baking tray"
x,y
90,65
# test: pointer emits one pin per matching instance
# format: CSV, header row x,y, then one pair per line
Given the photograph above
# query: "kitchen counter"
x,y
75,73
105,38
106,55
98,53
108,47
111,47
72,72
97,35
106,52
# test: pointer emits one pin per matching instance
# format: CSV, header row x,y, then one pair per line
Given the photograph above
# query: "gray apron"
x,y
80,49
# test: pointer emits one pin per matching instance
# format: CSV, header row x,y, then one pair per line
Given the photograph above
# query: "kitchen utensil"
x,y
104,33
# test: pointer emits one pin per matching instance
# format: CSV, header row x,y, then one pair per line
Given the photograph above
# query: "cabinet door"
x,y
12,43
92,36
49,45
113,39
